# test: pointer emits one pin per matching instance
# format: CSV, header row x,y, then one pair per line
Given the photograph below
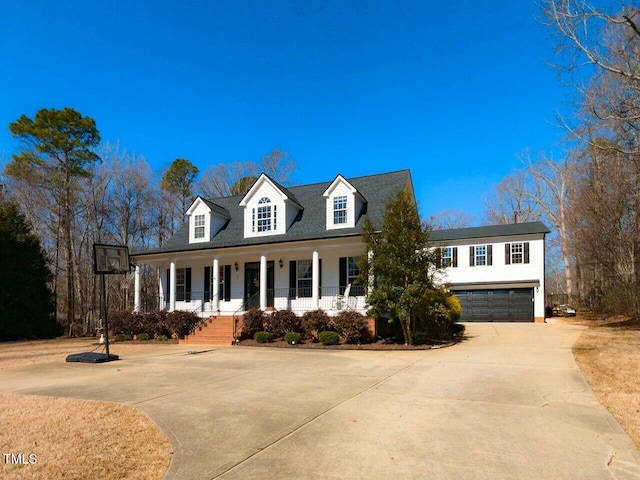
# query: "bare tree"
x,y
218,181
510,201
451,218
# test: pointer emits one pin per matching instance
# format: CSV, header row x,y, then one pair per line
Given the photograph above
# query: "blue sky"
x,y
451,90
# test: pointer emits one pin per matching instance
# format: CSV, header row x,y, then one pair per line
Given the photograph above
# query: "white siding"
x,y
501,273
277,201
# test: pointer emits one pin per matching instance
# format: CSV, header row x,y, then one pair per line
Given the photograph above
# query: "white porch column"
x,y
263,282
172,287
215,291
136,290
315,281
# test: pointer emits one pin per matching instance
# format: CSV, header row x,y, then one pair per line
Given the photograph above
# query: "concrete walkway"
x,y
509,403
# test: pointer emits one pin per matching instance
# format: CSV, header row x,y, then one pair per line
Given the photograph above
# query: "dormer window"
x,y
198,226
340,210
265,216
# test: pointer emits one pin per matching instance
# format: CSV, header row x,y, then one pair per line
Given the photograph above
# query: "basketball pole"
x,y
103,287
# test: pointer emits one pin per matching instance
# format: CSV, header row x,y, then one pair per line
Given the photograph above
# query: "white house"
x,y
497,272
293,248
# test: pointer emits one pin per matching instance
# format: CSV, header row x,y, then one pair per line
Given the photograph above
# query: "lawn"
x,y
74,439
608,354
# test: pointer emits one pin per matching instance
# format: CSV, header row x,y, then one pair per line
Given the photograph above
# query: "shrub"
x,y
156,324
329,338
352,326
121,337
252,322
292,338
283,322
142,336
263,337
315,322
162,338
182,323
125,322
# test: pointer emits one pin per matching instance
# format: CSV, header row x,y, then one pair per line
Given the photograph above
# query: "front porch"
x,y
306,277
329,299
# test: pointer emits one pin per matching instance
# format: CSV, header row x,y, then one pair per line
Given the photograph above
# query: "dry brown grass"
x,y
608,354
75,439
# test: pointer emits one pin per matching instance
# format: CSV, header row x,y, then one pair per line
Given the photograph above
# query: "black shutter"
x,y
472,256
507,253
167,294
187,284
320,278
227,283
455,256
343,275
293,279
207,284
489,254
526,252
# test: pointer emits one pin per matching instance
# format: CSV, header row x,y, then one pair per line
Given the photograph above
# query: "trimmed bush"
x,y
263,337
292,338
157,323
315,322
142,336
283,322
125,322
252,322
162,338
329,338
121,337
352,326
182,323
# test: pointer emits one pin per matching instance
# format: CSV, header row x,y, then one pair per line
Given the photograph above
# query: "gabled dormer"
x,y
269,208
343,204
206,219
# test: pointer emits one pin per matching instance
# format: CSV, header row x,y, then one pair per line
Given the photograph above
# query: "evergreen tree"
x,y
403,266
27,302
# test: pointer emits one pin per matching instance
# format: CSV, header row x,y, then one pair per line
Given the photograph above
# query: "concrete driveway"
x,y
508,402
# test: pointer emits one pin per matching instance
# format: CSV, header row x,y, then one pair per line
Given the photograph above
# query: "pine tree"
x,y
25,297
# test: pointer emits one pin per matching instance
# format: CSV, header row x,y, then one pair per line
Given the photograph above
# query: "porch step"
x,y
215,331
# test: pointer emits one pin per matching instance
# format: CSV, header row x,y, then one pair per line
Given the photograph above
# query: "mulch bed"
x,y
379,345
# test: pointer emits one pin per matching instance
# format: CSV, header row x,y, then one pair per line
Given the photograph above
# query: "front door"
x,y
252,284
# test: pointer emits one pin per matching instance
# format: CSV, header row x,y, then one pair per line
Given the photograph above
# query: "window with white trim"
x,y
480,255
262,216
180,284
198,224
447,256
340,210
305,278
516,252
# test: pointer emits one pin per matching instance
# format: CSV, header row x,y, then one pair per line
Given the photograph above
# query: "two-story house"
x,y
497,272
297,248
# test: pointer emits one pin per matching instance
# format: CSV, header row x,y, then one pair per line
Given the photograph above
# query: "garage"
x,y
498,305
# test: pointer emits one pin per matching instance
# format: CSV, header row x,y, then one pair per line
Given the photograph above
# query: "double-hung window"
x,y
480,255
516,252
305,278
447,256
198,224
340,210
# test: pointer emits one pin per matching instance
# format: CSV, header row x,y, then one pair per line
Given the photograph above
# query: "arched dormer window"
x,y
265,217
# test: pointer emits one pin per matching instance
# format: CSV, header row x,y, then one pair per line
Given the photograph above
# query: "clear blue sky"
x,y
453,90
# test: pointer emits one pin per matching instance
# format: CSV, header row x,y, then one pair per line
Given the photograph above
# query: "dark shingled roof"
x,y
489,231
310,223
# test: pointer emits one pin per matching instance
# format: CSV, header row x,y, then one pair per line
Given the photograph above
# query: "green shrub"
x,y
292,338
283,322
252,322
162,338
329,338
352,326
142,336
121,337
315,322
263,337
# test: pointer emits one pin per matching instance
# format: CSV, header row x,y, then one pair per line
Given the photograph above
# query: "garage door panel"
x,y
500,305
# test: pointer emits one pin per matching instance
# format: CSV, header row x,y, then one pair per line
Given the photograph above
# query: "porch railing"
x,y
296,299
